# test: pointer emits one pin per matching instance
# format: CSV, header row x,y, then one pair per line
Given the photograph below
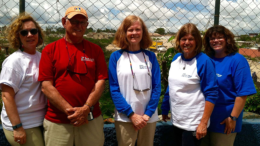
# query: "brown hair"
x,y
229,38
120,36
13,29
186,29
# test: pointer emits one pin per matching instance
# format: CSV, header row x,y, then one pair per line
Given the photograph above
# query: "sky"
x,y
240,16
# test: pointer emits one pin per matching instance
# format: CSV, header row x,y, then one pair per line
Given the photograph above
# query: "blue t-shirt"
x,y
234,80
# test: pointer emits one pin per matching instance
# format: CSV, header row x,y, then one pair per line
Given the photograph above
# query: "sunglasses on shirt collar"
x,y
25,32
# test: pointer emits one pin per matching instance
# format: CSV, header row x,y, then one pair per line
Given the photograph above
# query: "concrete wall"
x,y
250,135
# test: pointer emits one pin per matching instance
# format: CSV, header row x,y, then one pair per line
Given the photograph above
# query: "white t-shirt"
x,y
192,82
20,71
122,84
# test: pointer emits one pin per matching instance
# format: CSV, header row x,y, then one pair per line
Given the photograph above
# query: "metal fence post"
x,y
21,6
216,17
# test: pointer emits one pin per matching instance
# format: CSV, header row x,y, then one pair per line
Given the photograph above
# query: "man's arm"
x,y
96,93
80,114
54,97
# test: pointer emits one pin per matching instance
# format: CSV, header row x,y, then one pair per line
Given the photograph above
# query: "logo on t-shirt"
x,y
219,75
186,76
143,66
87,59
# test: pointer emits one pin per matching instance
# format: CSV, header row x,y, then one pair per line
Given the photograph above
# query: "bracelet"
x,y
87,105
17,126
90,107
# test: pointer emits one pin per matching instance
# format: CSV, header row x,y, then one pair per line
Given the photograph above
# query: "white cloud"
x,y
240,16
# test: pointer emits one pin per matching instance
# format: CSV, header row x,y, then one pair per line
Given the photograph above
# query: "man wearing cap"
x,y
73,73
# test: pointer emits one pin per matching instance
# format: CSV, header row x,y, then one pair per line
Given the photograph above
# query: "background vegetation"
x,y
164,59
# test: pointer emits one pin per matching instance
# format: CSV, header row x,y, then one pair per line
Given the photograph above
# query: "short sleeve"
x,y
46,66
208,80
102,72
11,77
242,79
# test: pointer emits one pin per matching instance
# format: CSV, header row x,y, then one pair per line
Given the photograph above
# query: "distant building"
x,y
247,43
155,34
237,38
253,34
249,52
102,35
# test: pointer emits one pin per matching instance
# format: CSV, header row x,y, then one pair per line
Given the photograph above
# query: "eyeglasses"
x,y
145,79
70,67
216,39
76,22
25,32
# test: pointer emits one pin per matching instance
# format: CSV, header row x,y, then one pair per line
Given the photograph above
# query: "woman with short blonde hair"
x,y
24,105
135,84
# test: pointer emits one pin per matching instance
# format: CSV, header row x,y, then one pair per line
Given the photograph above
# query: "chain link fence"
x,y
162,17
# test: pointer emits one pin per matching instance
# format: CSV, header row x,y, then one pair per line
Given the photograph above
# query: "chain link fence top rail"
x,y
165,17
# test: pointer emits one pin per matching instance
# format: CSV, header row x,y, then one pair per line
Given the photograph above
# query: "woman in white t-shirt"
x,y
24,105
192,90
135,84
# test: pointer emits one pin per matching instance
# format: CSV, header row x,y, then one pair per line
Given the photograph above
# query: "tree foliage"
x,y
161,31
245,38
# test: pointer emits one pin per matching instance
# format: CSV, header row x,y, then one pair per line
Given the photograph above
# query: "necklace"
x,y
184,65
132,67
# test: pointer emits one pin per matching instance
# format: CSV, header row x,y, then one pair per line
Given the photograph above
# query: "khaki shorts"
x,y
218,139
127,136
91,134
34,137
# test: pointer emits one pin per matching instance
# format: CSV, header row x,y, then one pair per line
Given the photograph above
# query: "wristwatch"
x,y
233,118
17,126
130,115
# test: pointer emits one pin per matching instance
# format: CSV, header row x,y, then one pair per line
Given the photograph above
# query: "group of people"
x,y
51,98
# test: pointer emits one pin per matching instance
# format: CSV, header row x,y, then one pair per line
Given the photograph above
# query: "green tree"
x,y
60,30
99,30
245,38
49,30
90,30
161,31
257,39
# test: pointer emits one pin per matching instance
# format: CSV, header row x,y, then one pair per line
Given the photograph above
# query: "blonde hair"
x,y
16,26
120,36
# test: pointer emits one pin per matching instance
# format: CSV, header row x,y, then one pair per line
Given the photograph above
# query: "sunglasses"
x,y
76,22
71,67
25,32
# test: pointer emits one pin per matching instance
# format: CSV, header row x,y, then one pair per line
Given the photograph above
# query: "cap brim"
x,y
72,14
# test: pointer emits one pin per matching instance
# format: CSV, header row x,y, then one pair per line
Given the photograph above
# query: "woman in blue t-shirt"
x,y
235,84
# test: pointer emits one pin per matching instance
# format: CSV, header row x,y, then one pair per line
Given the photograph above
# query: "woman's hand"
x,y
138,121
146,118
230,125
19,135
201,131
165,118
